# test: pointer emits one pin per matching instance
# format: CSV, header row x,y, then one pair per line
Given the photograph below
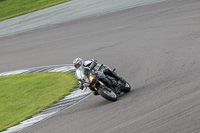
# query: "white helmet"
x,y
77,62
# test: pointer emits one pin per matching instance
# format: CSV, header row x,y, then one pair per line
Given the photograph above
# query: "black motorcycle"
x,y
97,86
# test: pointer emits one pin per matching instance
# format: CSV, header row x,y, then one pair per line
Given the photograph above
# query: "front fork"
x,y
108,89
100,83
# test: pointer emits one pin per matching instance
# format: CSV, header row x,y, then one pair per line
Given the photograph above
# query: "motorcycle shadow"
x,y
120,96
125,94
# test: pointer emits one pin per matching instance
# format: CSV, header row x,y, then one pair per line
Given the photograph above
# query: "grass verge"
x,y
24,95
13,8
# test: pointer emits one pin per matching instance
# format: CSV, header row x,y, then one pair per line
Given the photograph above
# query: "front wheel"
x,y
107,93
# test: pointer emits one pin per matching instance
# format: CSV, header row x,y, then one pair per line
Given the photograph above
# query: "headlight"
x,y
92,78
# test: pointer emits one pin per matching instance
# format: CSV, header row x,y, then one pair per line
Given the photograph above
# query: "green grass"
x,y
13,8
24,95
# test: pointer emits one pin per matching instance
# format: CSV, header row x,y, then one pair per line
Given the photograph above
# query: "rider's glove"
x,y
81,86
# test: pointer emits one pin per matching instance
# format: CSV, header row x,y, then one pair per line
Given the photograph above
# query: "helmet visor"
x,y
77,66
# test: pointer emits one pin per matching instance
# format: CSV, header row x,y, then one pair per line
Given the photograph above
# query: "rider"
x,y
79,64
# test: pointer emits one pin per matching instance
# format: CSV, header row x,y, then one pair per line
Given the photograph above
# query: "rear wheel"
x,y
126,88
107,93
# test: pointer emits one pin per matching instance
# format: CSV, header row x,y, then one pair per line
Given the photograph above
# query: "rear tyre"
x,y
127,88
107,93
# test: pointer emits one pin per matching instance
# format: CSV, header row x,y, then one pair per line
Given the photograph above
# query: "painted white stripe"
x,y
63,69
13,72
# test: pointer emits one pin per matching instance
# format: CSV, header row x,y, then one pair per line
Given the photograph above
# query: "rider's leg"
x,y
112,74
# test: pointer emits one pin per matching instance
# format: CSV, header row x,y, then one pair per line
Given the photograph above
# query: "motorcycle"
x,y
95,82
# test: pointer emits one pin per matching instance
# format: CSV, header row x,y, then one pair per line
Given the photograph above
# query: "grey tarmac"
x,y
64,12
154,47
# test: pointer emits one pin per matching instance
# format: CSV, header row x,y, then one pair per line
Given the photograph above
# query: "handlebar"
x,y
100,67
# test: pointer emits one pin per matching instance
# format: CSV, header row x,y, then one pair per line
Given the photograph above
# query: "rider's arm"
x,y
93,64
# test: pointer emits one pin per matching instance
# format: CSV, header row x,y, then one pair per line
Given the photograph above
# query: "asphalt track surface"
x,y
154,47
64,12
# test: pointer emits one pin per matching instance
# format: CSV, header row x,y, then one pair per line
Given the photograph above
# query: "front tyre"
x,y
107,93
